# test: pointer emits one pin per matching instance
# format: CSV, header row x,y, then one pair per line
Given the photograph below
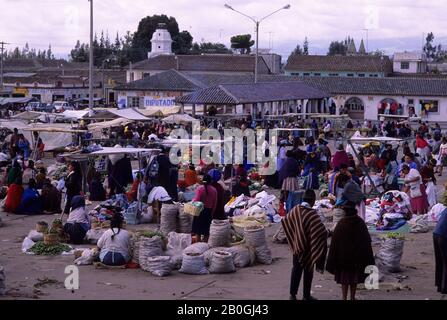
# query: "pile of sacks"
x,y
174,219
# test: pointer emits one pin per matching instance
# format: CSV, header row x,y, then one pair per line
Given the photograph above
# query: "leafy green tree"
x,y
243,43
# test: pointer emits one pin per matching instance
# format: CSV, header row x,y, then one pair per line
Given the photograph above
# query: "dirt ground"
x,y
41,277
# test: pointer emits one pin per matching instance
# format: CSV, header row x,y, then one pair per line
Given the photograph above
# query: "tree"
x,y
243,43
210,47
338,48
429,48
182,43
298,51
141,43
306,47
50,55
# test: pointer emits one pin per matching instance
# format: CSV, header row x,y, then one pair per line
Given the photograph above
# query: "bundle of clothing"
x,y
395,210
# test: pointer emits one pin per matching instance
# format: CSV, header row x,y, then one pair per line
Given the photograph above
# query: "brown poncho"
x,y
307,237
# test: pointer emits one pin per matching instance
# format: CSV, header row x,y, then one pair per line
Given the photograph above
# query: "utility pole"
x,y
2,48
90,83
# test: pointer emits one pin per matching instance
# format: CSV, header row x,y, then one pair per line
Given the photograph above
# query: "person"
x,y
31,202
307,237
352,193
206,194
51,198
241,186
219,213
240,171
340,157
115,243
40,178
418,197
96,188
73,183
24,147
28,173
288,175
13,148
442,156
350,252
14,172
120,173
409,161
157,196
422,148
440,249
78,222
40,146
190,176
350,125
14,195
324,155
132,194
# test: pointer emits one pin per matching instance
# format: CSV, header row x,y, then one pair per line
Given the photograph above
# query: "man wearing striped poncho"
x,y
307,237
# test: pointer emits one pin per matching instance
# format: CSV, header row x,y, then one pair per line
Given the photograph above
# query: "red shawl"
x,y
13,197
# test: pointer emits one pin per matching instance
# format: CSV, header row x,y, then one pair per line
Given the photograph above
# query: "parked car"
x,y
61,106
44,107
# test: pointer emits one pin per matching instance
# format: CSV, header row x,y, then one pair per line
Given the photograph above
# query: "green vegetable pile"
x,y
394,235
42,249
236,238
150,234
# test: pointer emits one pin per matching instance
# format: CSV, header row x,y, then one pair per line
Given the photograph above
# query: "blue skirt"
x,y
201,224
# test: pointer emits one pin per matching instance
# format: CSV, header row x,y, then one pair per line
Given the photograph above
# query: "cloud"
x,y
63,22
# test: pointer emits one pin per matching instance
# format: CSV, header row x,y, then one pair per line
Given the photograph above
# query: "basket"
x,y
193,208
50,239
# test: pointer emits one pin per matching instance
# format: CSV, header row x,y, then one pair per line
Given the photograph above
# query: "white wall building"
x,y
409,62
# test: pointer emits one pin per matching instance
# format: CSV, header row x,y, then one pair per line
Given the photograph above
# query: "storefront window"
x,y
430,106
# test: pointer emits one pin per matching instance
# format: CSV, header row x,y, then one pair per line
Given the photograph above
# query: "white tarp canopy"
x,y
129,114
29,115
98,126
56,139
110,151
4,101
159,111
75,114
179,118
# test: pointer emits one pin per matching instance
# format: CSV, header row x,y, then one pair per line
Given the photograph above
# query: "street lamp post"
x,y
257,22
90,83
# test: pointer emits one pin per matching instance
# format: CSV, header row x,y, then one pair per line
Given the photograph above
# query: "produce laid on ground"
x,y
43,249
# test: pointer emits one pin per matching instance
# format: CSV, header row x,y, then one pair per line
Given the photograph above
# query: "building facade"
x,y
409,62
354,66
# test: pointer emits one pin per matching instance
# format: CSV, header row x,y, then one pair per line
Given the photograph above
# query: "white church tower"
x,y
161,41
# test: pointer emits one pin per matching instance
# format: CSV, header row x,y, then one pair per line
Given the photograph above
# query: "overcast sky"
x,y
394,24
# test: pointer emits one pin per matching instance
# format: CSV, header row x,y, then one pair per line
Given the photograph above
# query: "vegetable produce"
x,y
49,250
150,234
394,235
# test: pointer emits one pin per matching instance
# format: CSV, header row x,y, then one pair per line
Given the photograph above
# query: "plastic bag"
x,y
193,263
93,235
199,247
185,221
159,266
389,256
87,257
177,242
27,244
168,218
255,236
431,194
222,262
149,247
263,255
148,216
241,256
220,233
419,224
208,254
35,236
